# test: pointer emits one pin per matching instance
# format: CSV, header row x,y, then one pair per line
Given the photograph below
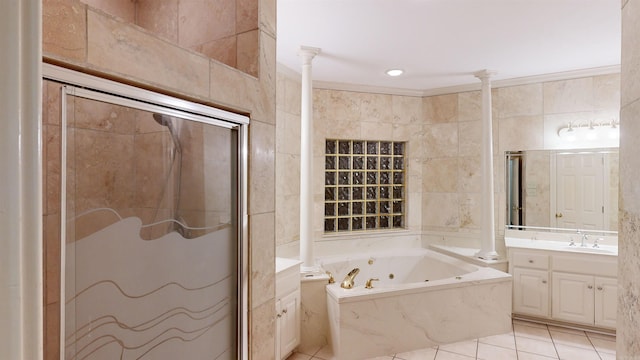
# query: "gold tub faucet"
x,y
368,285
348,281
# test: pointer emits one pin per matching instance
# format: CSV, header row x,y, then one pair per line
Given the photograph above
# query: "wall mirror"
x,y
562,189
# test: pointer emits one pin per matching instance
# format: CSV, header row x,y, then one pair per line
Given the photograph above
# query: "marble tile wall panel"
x,y
224,50
568,95
262,168
124,9
440,211
314,326
470,106
246,15
64,26
247,52
204,21
523,100
470,211
521,133
627,346
441,108
368,328
117,48
262,228
440,175
160,17
261,333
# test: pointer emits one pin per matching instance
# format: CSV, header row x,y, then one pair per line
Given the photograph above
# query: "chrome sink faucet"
x,y
584,240
348,281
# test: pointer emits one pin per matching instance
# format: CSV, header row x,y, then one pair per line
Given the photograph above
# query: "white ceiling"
x,y
441,43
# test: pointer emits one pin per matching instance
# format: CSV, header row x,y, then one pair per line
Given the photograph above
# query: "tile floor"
x,y
527,341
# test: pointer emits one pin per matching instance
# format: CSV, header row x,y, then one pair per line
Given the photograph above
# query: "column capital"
x,y
308,53
485,74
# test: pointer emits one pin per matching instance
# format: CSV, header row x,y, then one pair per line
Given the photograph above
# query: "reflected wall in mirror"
x,y
572,189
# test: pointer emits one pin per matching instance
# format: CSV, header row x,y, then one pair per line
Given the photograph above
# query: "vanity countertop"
x,y
551,245
283,264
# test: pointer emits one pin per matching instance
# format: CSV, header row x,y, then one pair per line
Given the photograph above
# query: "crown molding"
x,y
525,80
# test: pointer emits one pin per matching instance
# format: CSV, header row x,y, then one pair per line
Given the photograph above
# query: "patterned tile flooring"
x,y
527,341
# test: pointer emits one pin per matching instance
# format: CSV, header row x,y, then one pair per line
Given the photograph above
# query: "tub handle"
x,y
331,279
368,285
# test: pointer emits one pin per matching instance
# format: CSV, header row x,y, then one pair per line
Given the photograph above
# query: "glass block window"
x,y
364,185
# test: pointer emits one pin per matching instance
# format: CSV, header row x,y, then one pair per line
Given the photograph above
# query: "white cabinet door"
x,y
289,323
572,298
606,302
531,292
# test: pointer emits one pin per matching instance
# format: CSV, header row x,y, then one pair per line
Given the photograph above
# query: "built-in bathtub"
x,y
423,298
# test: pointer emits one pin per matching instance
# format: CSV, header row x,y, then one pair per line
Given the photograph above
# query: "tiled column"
x,y
628,329
20,182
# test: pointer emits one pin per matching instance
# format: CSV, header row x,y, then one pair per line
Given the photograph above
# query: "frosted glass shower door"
x,y
151,249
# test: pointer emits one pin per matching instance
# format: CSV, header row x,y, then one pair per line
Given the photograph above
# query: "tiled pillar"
x,y
20,182
628,329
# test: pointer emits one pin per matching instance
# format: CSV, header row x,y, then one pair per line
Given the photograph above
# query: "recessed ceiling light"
x,y
395,72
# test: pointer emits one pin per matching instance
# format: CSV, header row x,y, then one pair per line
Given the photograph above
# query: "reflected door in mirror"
x,y
580,191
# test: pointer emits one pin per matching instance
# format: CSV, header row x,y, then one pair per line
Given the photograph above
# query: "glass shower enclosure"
x,y
152,239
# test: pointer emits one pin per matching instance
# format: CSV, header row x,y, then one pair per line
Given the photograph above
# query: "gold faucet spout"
x,y
369,285
348,281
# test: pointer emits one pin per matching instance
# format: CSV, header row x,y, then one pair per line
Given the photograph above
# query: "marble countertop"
x,y
563,246
283,264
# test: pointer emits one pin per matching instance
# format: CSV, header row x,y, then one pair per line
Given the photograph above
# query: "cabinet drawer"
x,y
287,282
530,260
584,264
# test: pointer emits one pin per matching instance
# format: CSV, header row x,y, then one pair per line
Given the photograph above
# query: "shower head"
x,y
166,120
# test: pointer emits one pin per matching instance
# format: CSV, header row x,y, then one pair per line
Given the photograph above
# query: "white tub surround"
x,y
306,161
488,250
422,299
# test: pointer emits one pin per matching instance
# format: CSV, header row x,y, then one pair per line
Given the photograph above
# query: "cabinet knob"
x,y
279,315
599,287
544,281
530,261
284,311
590,287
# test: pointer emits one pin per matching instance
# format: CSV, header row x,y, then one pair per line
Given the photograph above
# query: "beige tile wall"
x,y
76,36
224,30
628,329
444,134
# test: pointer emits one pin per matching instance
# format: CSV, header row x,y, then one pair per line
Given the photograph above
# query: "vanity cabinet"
x,y
531,292
590,300
287,310
530,272
578,288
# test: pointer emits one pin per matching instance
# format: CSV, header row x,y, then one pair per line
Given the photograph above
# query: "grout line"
x,y
553,342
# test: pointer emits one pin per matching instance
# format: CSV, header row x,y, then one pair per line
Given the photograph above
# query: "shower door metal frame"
x,y
91,87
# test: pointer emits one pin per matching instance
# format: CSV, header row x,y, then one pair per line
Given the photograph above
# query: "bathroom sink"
x,y
598,250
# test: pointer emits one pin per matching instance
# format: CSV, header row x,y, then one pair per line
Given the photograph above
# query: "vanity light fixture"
x,y
590,131
395,72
